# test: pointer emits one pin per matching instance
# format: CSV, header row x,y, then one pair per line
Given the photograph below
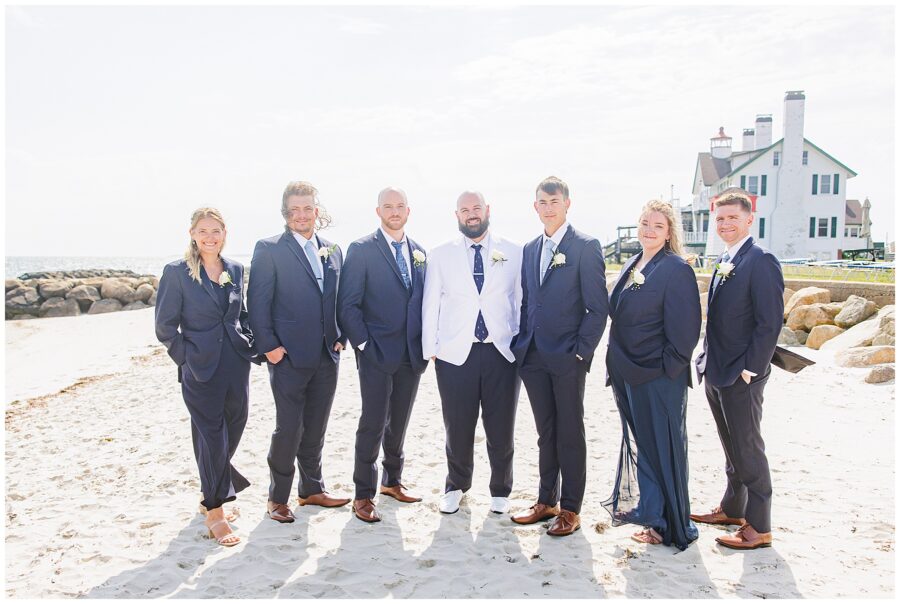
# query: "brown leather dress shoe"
x,y
535,513
397,493
279,512
364,509
323,499
746,537
717,516
566,523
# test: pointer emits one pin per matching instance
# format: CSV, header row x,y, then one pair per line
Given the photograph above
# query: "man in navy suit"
x,y
744,317
380,310
291,298
564,312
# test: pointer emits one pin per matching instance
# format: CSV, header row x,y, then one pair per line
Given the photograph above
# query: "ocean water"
x,y
143,265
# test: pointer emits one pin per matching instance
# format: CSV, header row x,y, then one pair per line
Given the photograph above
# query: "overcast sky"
x,y
122,120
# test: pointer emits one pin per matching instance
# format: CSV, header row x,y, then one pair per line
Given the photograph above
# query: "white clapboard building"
x,y
800,201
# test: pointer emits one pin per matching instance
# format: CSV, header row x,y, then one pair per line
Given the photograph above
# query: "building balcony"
x,y
694,237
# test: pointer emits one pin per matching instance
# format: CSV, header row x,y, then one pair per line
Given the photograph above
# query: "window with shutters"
x,y
753,185
823,227
776,158
825,184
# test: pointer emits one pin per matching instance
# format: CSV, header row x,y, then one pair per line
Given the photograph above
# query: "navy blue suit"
x,y
562,317
655,327
744,317
203,326
288,309
376,308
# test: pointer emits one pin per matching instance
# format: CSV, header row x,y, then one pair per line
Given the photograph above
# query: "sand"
x,y
102,489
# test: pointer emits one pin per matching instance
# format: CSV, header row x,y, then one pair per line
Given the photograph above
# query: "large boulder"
x,y
136,305
886,320
60,307
883,339
802,336
788,294
143,292
860,334
114,288
865,356
807,296
56,289
22,300
820,334
85,295
856,309
152,300
787,337
880,374
12,284
807,317
103,306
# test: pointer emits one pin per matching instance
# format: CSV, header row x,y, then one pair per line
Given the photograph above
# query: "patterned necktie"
x,y
481,331
401,262
314,262
546,257
725,258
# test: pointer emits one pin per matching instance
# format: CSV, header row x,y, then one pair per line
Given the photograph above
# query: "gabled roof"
x,y
712,168
853,212
805,140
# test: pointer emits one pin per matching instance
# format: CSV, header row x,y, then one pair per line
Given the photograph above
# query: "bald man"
x,y
380,311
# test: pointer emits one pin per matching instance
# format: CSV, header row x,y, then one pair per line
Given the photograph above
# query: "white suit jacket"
x,y
451,300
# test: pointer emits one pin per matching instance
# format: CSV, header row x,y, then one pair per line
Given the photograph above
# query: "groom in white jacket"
x,y
470,313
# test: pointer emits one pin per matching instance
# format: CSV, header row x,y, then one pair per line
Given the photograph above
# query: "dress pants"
x,y
557,402
303,399
486,380
737,410
387,400
218,410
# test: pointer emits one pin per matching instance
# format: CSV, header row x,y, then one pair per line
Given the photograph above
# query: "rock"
x,y
821,334
60,307
703,286
788,337
136,305
12,284
96,282
144,291
860,334
22,300
883,339
802,336
85,295
886,323
114,288
107,305
856,309
152,300
703,304
880,374
865,357
807,296
788,292
55,289
807,317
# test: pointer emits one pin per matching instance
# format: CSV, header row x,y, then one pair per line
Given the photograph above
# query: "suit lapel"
x,y
623,278
462,258
414,275
233,303
329,270
289,240
382,245
735,261
208,286
561,248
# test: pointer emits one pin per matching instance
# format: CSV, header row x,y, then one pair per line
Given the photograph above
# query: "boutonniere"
x,y
559,259
418,258
637,278
725,270
224,279
497,256
325,252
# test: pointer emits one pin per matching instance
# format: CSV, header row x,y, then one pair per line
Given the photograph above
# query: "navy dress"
x,y
655,328
204,327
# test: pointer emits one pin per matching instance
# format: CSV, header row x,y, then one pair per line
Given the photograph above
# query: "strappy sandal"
x,y
230,516
648,536
227,540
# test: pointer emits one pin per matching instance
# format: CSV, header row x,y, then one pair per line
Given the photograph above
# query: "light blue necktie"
x,y
313,257
725,258
546,257
401,262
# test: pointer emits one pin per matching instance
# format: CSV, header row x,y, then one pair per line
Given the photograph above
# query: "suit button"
x,y
220,339
537,327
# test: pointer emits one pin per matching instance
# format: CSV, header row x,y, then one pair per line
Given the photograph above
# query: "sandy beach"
x,y
102,492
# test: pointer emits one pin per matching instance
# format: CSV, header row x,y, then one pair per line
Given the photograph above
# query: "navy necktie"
x,y
481,331
401,262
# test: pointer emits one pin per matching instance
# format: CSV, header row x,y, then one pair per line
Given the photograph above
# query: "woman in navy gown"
x,y
201,319
655,312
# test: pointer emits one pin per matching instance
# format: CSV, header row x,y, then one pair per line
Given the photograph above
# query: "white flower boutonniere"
x,y
224,279
418,258
559,259
637,278
325,252
725,270
497,256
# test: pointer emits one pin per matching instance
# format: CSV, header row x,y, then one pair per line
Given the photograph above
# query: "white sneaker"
x,y
499,505
450,502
